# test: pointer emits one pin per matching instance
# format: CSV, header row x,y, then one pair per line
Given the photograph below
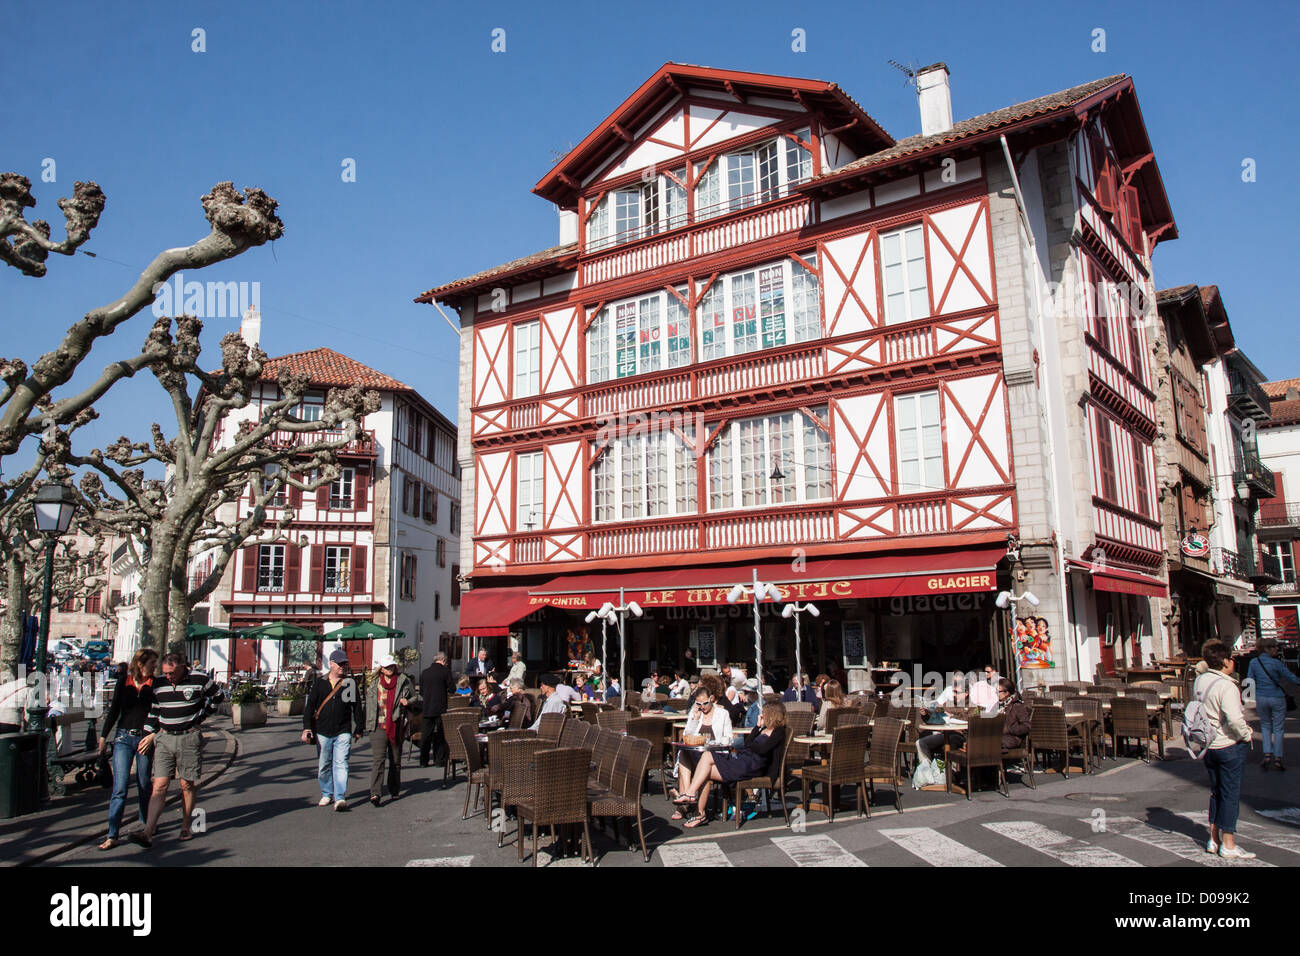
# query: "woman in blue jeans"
x,y
1273,681
132,699
1225,758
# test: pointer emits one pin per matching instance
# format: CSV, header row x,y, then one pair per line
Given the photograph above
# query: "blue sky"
x,y
449,137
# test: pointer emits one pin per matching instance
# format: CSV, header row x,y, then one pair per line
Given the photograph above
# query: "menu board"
x,y
705,651
854,644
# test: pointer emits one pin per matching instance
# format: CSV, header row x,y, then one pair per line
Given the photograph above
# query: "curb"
x,y
223,764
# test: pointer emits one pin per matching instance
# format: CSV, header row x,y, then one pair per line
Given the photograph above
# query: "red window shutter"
x,y
316,581
323,497
1106,192
295,494
361,487
1106,452
292,568
1133,215
359,569
1140,477
249,582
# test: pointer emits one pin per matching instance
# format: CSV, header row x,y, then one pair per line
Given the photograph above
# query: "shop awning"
x,y
1118,581
489,612
877,576
1236,594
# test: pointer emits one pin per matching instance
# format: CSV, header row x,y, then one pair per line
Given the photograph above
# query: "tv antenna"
x,y
908,71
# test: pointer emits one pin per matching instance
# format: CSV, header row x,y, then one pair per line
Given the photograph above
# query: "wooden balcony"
x,y
361,446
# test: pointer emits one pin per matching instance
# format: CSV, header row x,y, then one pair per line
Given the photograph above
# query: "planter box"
x,y
290,708
248,715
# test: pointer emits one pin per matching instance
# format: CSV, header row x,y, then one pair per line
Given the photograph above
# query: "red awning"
x,y
1119,581
884,575
489,612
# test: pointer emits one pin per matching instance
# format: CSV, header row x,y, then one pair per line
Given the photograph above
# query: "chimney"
x,y
568,227
250,328
936,99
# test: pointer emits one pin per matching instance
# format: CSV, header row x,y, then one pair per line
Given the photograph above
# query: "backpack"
x,y
1198,730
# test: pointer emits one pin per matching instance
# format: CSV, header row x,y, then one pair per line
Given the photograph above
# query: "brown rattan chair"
x,y
496,763
848,753
882,762
551,726
773,785
836,714
854,718
622,800
603,755
798,724
516,758
456,753
476,775
459,701
517,718
615,720
983,748
589,711
573,733
589,737
1049,733
1091,725
657,732
1129,718
795,706
559,796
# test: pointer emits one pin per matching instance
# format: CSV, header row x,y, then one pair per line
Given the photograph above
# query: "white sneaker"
x,y
1211,847
340,804
1236,853
324,802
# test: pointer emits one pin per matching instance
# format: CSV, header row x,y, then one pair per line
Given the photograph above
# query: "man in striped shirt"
x,y
180,703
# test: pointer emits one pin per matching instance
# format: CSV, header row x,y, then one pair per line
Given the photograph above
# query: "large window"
x,y
407,576
1140,477
645,209
920,443
441,552
279,498
1106,460
270,567
776,460
751,176
644,476
1285,559
528,494
341,489
527,357
902,255
338,570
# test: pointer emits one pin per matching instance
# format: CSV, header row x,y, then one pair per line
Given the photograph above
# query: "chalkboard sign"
x,y
854,645
705,651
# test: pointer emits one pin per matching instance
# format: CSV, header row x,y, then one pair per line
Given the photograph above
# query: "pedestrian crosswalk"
x,y
1100,840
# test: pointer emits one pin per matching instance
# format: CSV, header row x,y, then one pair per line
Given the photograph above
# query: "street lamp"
x,y
603,615
793,610
53,510
758,591
618,615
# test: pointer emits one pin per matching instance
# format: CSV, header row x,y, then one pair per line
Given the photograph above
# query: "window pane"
x,y
631,486
598,225
649,335
679,331
720,471
744,319
782,459
627,214
603,484
650,207
708,191
598,348
685,474
816,457
806,303
740,180
625,340
753,477
769,171
798,161
675,200
771,297
713,324
656,479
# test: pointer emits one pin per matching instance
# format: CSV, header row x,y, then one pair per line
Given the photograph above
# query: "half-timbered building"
x,y
773,340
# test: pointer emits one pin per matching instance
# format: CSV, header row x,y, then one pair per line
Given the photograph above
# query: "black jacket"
x,y
766,746
345,712
471,667
129,708
435,687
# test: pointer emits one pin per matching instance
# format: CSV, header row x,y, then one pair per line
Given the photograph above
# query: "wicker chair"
x,y
1049,733
632,701
1093,726
657,732
773,784
517,716
1129,717
603,756
559,796
983,748
1060,696
615,720
459,701
836,714
573,733
589,737
854,718
551,726
589,711
456,753
476,775
517,776
882,762
848,752
622,800
496,763
797,706
797,724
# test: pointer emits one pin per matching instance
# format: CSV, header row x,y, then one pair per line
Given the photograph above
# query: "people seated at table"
x,y
614,690
984,693
832,697
753,703
554,703
1016,710
488,699
566,693
754,760
954,695
680,686
465,687
516,698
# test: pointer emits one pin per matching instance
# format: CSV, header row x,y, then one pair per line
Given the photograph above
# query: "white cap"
x,y
388,660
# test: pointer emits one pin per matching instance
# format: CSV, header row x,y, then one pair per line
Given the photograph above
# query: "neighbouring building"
x,y
88,614
379,544
892,377
1279,518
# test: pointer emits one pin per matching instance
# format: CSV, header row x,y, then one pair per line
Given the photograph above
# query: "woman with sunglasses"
x,y
706,719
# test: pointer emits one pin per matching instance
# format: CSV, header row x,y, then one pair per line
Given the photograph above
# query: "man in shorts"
x,y
181,702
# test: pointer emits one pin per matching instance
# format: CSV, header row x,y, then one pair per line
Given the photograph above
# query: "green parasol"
x,y
364,631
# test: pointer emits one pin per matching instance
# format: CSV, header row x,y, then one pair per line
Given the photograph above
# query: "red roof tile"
x,y
329,368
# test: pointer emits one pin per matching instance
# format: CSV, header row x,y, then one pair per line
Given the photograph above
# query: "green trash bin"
x,y
23,781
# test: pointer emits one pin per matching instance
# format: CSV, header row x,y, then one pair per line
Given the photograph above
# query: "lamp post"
x,y
1004,600
618,615
53,510
793,610
758,591
602,614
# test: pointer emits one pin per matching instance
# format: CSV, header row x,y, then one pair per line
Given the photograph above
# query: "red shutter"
x,y
430,505
361,486
295,494
292,568
1106,452
359,569
323,497
1106,192
316,583
249,582
1134,216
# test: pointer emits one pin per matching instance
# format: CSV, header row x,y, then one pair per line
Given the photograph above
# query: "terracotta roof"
x,y
1282,412
327,367
1279,388
546,257
1176,294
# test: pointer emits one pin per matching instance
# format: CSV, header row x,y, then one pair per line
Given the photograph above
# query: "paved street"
x,y
262,812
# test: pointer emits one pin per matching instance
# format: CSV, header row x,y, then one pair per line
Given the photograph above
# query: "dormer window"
x,y
652,206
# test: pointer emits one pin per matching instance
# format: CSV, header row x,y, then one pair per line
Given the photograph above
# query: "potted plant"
x,y
291,702
248,706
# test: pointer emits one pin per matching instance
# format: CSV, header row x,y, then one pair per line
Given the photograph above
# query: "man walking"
x,y
390,694
333,716
435,687
180,704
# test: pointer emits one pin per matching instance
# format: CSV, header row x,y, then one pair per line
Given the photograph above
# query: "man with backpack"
x,y
1215,730
333,716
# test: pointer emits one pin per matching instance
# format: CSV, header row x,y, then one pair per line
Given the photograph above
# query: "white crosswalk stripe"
x,y
816,851
692,854
1284,815
1249,830
936,848
1182,845
1062,848
443,861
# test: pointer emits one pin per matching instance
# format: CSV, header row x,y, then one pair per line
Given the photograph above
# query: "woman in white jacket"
x,y
1225,758
707,718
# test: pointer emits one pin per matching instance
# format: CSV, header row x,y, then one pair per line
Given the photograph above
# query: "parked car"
x,y
66,650
98,651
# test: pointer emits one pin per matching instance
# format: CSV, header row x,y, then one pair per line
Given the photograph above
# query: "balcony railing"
x,y
363,444
1279,514
1246,396
1228,564
1257,476
1267,569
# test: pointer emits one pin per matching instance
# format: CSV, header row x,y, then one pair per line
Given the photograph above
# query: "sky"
x,y
448,138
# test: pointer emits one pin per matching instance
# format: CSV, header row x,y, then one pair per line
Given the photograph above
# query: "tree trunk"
x,y
11,626
156,589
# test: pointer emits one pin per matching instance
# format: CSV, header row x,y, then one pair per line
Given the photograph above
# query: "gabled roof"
x,y
563,183
548,262
1186,305
325,367
1279,388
